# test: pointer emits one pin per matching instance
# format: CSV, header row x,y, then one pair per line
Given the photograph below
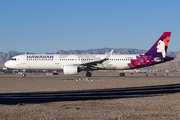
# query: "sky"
x,y
40,26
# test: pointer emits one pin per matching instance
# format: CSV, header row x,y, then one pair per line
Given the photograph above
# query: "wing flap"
x,y
97,61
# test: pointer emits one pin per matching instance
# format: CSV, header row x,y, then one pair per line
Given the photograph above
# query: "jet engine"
x,y
70,69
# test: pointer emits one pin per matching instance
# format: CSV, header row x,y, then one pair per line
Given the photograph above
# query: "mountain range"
x,y
175,64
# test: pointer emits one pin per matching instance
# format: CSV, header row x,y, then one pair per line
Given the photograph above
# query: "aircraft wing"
x,y
97,61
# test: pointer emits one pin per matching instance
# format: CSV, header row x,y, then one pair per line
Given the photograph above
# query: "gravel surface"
x,y
96,98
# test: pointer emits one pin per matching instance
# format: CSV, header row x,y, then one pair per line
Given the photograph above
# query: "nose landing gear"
x,y
23,75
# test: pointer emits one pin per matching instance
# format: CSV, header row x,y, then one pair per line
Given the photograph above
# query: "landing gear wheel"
x,y
88,74
23,75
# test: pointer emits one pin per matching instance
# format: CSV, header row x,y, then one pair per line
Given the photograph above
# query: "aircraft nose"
x,y
9,64
6,64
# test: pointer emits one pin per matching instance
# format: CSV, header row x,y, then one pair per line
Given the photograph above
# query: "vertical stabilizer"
x,y
159,49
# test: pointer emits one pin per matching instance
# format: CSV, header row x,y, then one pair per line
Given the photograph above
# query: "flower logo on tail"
x,y
162,43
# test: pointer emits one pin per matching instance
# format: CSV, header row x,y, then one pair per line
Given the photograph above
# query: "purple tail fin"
x,y
159,48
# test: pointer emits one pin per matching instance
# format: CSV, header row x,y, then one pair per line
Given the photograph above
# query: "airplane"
x,y
139,71
73,64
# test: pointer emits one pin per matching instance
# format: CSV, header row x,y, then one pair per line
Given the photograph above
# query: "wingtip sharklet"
x,y
110,53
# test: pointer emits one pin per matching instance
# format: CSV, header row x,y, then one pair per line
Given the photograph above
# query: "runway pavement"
x,y
105,96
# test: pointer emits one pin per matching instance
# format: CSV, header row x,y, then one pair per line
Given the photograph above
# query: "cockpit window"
x,y
14,59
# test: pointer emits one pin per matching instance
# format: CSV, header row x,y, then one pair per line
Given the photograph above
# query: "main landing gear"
x,y
88,74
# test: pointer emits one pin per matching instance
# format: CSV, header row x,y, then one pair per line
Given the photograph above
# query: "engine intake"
x,y
70,69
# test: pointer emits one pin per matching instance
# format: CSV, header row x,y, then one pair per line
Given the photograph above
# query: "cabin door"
x,y
56,59
23,59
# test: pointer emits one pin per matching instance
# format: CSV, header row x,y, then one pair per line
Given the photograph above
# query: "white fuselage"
x,y
56,62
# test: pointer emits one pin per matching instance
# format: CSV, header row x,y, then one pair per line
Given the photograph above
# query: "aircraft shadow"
x,y
83,95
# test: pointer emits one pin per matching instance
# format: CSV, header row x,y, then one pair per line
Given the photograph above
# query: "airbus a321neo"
x,y
73,64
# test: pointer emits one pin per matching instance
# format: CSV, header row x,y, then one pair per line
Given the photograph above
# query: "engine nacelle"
x,y
70,69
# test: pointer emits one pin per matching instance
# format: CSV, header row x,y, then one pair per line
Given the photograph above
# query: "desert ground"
x,y
105,96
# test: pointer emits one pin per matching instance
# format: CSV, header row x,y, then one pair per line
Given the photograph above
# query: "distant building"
x,y
4,68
